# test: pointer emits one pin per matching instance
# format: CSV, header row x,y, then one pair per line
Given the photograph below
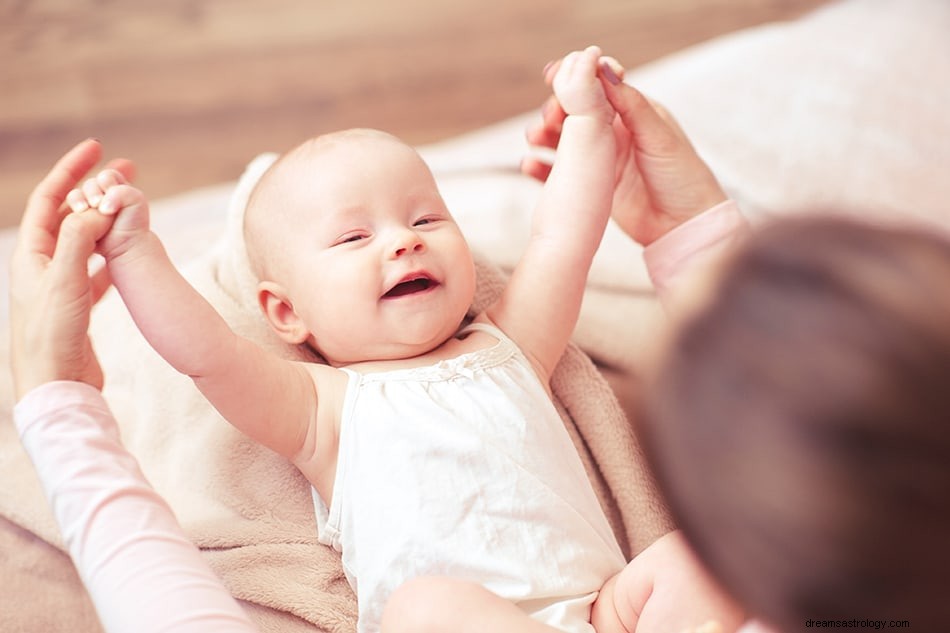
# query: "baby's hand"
x,y
110,194
661,180
577,83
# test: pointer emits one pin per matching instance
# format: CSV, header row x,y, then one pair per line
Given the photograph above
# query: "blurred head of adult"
x,y
798,422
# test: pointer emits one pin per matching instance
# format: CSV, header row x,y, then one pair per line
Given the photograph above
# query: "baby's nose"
x,y
408,243
405,250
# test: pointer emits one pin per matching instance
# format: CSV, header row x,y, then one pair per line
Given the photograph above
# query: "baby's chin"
x,y
394,341
372,352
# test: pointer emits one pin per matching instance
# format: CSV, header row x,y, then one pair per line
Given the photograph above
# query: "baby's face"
x,y
377,267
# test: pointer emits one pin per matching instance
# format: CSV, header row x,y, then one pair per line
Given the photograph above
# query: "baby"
x,y
431,443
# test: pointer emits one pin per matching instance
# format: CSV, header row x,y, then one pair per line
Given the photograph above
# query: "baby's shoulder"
x,y
329,383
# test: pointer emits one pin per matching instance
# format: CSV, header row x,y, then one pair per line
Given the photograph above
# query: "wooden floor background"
x,y
193,89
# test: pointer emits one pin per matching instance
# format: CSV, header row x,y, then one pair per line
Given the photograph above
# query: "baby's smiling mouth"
x,y
411,286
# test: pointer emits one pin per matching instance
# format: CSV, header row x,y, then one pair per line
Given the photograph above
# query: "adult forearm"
x,y
142,572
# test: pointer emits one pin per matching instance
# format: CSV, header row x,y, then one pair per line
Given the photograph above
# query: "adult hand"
x,y
51,290
660,182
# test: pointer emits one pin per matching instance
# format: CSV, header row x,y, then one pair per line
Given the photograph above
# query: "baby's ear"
x,y
280,313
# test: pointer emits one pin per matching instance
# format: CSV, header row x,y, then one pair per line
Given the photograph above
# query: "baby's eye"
x,y
350,237
424,221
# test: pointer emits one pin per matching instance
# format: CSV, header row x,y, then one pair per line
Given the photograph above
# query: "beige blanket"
x,y
845,107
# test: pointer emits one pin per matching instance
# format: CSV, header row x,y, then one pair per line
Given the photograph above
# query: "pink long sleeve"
x,y
141,571
674,258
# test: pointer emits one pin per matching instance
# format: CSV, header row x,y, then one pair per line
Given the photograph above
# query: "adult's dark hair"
x,y
799,424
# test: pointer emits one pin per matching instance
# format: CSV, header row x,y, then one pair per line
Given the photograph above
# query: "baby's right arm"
x,y
540,305
237,376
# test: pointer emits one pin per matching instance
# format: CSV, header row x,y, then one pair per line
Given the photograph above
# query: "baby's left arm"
x,y
540,305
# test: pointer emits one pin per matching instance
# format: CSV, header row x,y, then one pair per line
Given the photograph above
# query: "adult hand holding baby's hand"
x,y
660,182
110,193
51,290
576,81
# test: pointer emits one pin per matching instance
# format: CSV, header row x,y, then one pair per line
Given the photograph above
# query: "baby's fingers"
x,y
109,180
88,195
567,71
77,201
577,84
579,66
92,192
119,197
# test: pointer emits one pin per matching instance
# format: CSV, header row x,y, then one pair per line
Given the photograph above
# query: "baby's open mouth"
x,y
412,286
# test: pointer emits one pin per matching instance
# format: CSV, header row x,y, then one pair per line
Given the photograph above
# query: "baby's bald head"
x,y
285,196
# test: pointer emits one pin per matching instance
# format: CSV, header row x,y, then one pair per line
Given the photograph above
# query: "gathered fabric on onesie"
x,y
464,468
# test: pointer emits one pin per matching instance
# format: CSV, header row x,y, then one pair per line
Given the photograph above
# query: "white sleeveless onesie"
x,y
464,469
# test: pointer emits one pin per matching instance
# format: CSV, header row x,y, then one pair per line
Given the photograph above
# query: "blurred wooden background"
x,y
193,89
